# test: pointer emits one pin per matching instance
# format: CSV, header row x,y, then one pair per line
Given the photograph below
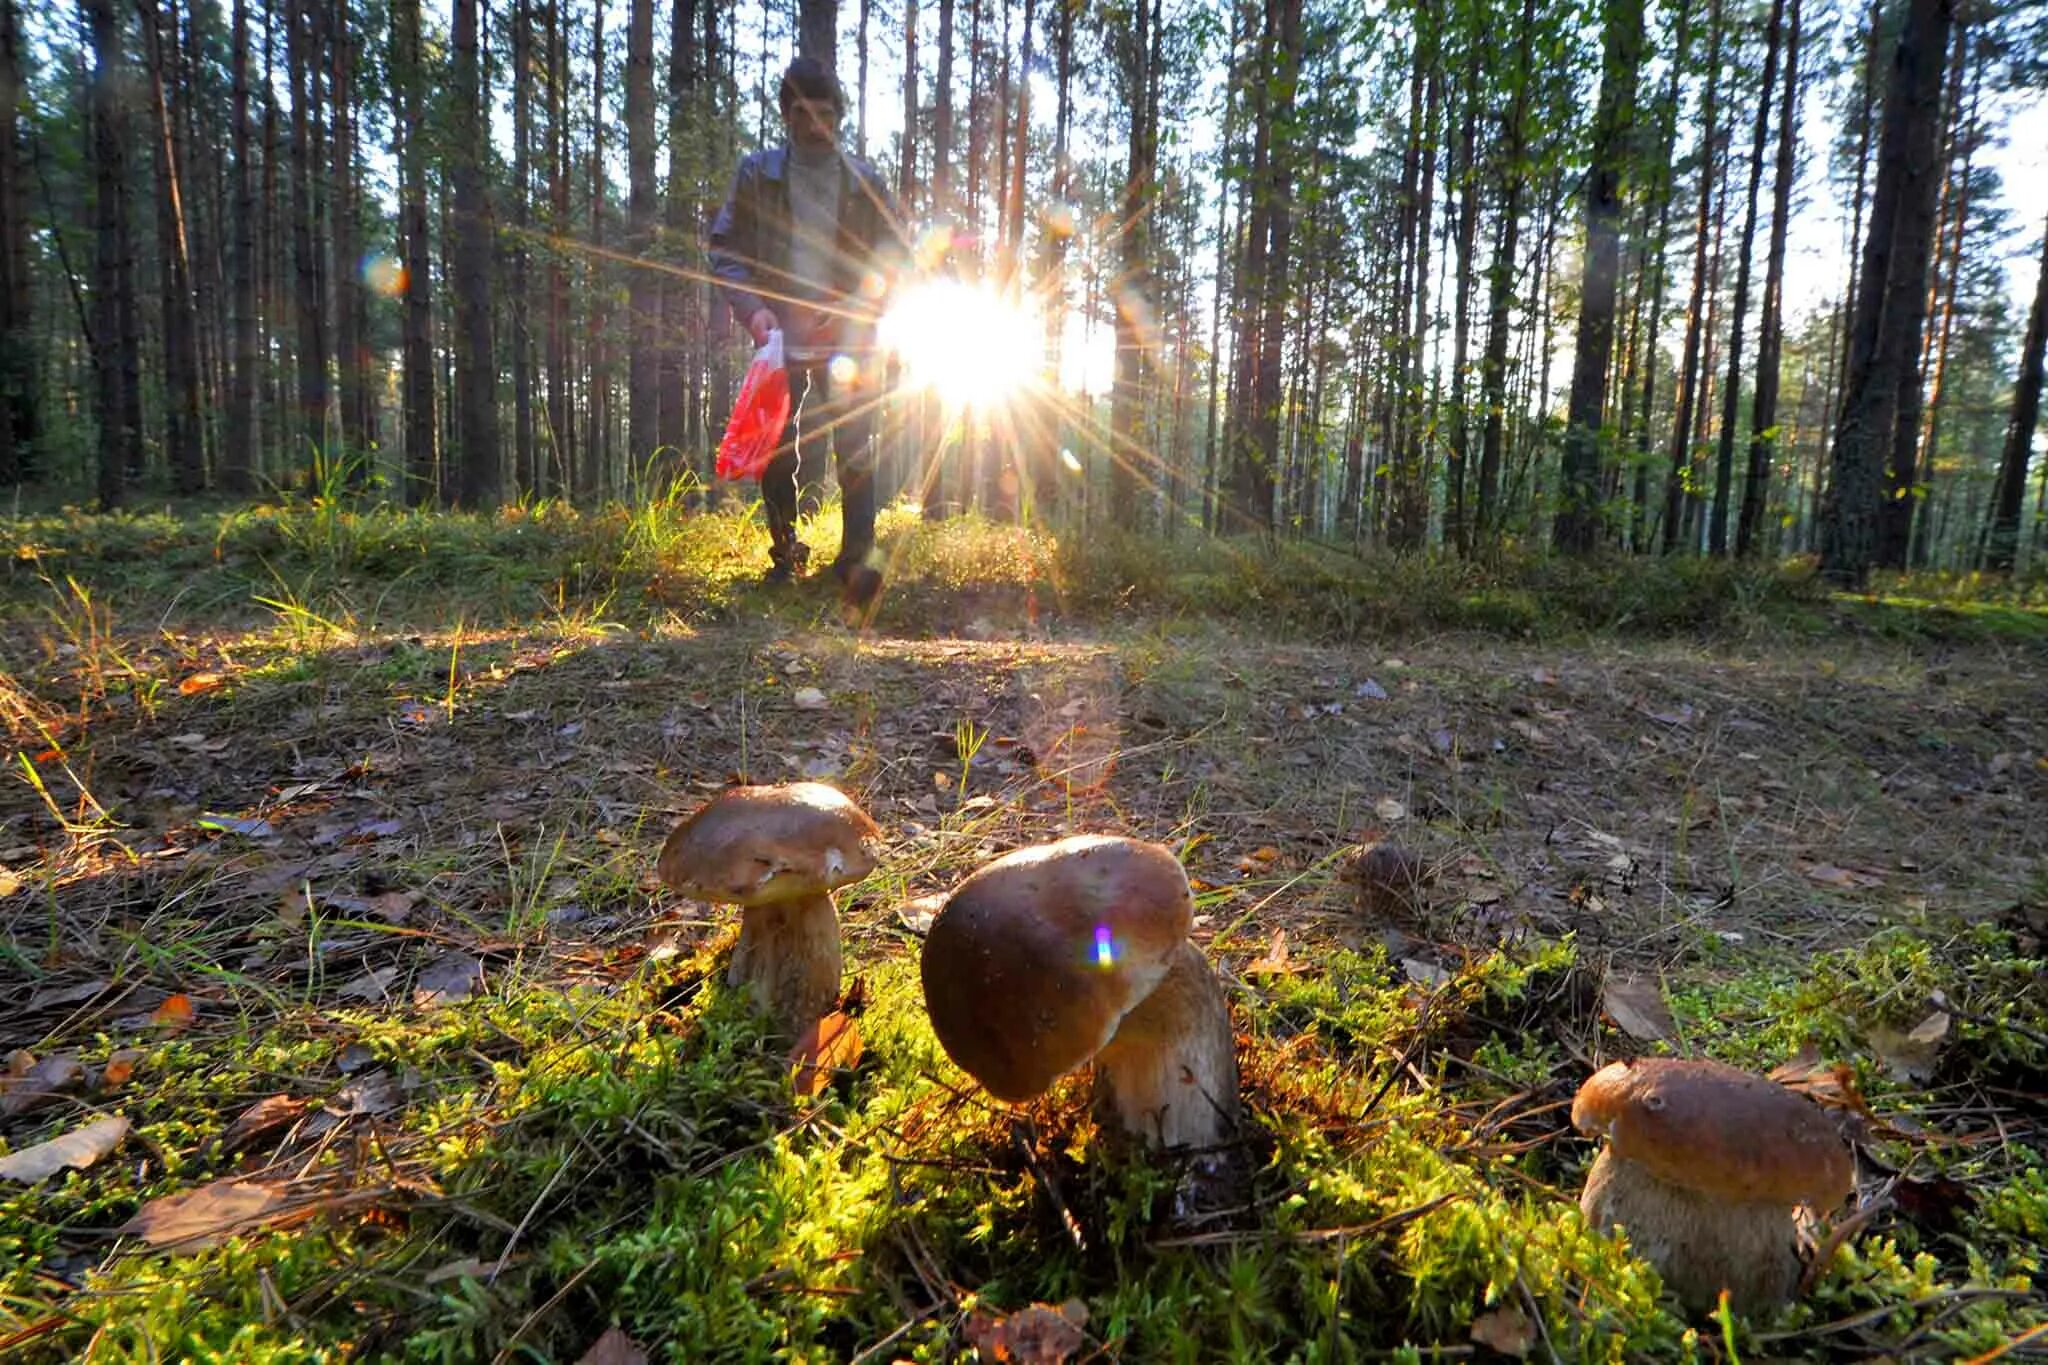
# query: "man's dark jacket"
x,y
749,244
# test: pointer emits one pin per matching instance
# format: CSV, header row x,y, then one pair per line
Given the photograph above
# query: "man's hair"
x,y
809,79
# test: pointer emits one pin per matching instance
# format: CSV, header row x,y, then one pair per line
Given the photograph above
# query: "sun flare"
x,y
967,343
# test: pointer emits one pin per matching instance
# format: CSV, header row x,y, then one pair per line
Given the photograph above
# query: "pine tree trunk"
x,y
1696,305
19,380
1902,473
476,372
680,336
182,440
351,361
1133,287
117,349
1578,520
592,470
558,456
422,480
1455,526
2002,548
643,397
1275,276
906,178
525,448
1731,392
942,119
818,31
1763,439
1884,337
240,438
1493,368
1409,523
1971,136
302,58
1639,524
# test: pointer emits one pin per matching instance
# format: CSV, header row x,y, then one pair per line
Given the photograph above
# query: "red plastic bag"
x,y
758,417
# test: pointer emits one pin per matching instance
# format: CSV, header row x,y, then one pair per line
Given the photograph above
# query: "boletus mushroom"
x,y
1060,953
1704,1167
777,852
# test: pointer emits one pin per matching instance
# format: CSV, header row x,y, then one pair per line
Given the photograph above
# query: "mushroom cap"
x,y
754,846
1037,957
1711,1128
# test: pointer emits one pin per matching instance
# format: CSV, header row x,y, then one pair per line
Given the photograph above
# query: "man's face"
x,y
813,123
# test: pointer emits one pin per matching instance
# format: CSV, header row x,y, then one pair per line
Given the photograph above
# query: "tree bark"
x,y
1731,392
1493,369
422,480
1970,135
680,336
1763,439
476,372
1639,527
302,58
239,444
644,396
1455,527
350,352
118,349
525,449
1578,520
1696,305
182,439
2002,549
591,471
19,380
1884,337
817,32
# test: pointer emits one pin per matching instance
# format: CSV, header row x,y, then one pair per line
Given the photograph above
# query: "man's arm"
x,y
733,248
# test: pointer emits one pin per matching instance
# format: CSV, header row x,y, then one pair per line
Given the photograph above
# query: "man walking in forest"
x,y
803,244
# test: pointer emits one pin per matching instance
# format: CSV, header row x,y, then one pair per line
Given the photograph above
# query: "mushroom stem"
x,y
788,955
1169,1074
1699,1244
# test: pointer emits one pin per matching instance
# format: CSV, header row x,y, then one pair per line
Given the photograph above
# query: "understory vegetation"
x,y
326,864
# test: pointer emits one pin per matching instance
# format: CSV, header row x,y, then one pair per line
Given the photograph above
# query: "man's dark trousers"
x,y
821,417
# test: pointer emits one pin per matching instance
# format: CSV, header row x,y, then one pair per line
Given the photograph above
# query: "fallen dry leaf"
x,y
52,997
175,1014
1911,1056
1038,1335
828,1045
1424,972
78,1149
120,1066
34,1084
1637,1005
10,882
267,1115
201,682
808,699
1842,878
1265,853
204,1217
469,1268
370,985
1274,960
613,1348
1507,1330
447,979
917,913
1390,810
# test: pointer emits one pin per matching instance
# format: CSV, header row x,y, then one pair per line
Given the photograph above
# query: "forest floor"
x,y
335,966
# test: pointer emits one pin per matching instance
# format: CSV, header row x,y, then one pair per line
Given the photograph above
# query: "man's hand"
x,y
761,324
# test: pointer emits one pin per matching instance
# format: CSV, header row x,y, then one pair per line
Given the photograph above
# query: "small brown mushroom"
x,y
1704,1168
1391,881
778,853
1055,954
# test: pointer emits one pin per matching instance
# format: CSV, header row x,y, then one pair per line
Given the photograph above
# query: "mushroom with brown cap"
x,y
777,852
1704,1167
1060,953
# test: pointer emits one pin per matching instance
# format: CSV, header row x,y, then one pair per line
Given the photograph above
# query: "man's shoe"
x,y
860,591
780,574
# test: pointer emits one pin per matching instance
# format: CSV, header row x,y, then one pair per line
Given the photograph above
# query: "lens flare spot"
x,y
1105,947
844,369
967,343
384,273
1060,220
1070,460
